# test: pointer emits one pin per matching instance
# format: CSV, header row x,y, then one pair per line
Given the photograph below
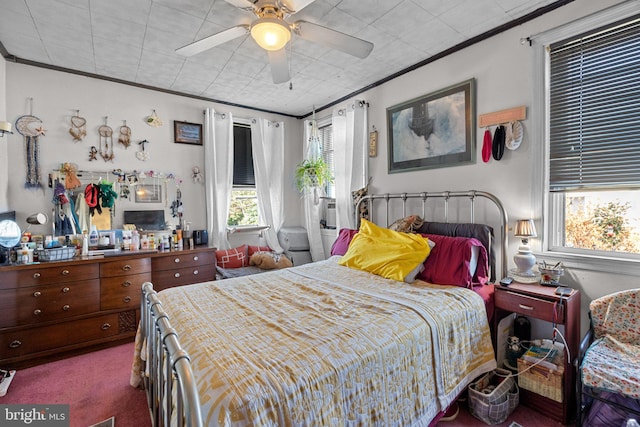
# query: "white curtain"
x,y
311,200
350,142
218,158
267,143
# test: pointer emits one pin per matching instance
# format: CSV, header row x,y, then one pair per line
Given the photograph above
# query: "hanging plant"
x,y
312,173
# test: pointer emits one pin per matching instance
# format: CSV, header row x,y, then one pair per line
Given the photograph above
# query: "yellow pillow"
x,y
385,252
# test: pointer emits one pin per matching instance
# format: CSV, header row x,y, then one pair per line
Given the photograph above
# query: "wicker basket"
x,y
541,380
493,396
56,254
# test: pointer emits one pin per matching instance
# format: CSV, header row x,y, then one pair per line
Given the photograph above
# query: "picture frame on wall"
x,y
434,130
148,193
187,133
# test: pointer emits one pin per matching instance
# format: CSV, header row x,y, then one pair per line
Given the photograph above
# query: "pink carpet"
x,y
95,385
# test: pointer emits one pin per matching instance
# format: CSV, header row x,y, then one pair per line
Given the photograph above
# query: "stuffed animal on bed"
x,y
269,260
407,225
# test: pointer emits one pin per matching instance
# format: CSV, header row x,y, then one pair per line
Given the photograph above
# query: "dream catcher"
x,y
125,135
106,141
31,128
78,127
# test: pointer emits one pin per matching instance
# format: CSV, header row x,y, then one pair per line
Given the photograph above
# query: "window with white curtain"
x,y
244,198
593,128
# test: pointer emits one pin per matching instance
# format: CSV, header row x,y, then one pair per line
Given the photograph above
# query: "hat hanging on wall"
x,y
513,137
486,146
498,143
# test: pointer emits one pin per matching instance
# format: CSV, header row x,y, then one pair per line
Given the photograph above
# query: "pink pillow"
x,y
449,262
233,258
341,244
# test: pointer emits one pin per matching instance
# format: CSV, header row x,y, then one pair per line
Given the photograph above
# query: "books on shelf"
x,y
549,356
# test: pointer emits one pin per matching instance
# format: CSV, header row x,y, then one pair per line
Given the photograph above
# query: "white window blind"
x,y
326,142
595,109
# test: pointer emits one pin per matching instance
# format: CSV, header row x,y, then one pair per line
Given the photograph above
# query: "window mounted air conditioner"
x,y
330,214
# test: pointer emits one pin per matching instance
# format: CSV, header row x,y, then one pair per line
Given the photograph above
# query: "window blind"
x,y
594,116
243,175
326,142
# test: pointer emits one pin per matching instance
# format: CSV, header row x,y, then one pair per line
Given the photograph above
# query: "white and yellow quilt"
x,y
326,345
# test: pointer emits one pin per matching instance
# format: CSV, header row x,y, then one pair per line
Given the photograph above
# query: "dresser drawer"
x,y
44,275
56,337
182,276
125,267
179,260
123,291
48,302
529,305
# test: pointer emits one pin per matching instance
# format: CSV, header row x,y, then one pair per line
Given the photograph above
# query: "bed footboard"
x,y
171,390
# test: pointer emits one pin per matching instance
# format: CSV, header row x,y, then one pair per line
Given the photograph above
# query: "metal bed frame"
x,y
169,377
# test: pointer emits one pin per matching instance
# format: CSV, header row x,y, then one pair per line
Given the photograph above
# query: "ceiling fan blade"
x,y
293,6
242,4
332,38
213,40
279,65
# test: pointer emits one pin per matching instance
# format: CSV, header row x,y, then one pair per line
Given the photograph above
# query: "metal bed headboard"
x,y
446,195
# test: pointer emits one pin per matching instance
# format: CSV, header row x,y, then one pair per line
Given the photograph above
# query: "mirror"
x,y
9,233
9,237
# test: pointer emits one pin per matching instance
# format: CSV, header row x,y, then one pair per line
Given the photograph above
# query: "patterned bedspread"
x,y
323,344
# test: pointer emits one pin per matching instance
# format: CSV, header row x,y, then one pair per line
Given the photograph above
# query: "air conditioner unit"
x,y
330,214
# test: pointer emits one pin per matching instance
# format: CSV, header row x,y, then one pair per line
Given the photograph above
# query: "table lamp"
x,y
524,259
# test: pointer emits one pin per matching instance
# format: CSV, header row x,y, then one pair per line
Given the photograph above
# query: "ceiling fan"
x,y
272,32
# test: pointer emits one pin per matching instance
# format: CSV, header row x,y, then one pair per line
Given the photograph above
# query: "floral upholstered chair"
x,y
610,369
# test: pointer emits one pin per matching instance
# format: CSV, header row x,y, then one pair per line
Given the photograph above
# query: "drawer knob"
x,y
176,275
37,312
126,267
177,260
525,307
37,293
195,272
195,258
126,299
65,272
66,307
36,275
105,326
126,283
15,344
65,290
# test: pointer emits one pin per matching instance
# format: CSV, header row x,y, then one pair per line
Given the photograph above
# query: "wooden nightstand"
x,y
535,301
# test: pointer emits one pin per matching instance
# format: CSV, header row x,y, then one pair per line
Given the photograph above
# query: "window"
x,y
326,147
243,209
594,145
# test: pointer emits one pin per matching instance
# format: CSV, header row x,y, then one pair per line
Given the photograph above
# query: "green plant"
x,y
312,173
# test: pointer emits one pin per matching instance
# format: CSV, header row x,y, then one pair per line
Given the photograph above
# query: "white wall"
x,y
57,96
503,70
4,203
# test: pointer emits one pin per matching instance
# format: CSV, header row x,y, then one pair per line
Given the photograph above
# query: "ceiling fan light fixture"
x,y
271,33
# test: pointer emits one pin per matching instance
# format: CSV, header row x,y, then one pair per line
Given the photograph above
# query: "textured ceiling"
x,y
134,41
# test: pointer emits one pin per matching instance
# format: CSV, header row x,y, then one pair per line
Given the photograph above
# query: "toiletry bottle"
x,y
85,244
93,237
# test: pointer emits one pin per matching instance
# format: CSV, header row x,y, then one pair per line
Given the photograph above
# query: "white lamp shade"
x,y
270,33
5,127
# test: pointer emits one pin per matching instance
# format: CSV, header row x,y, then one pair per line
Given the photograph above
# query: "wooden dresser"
x,y
60,308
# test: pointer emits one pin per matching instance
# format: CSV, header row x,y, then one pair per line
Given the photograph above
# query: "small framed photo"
x,y
148,193
187,133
